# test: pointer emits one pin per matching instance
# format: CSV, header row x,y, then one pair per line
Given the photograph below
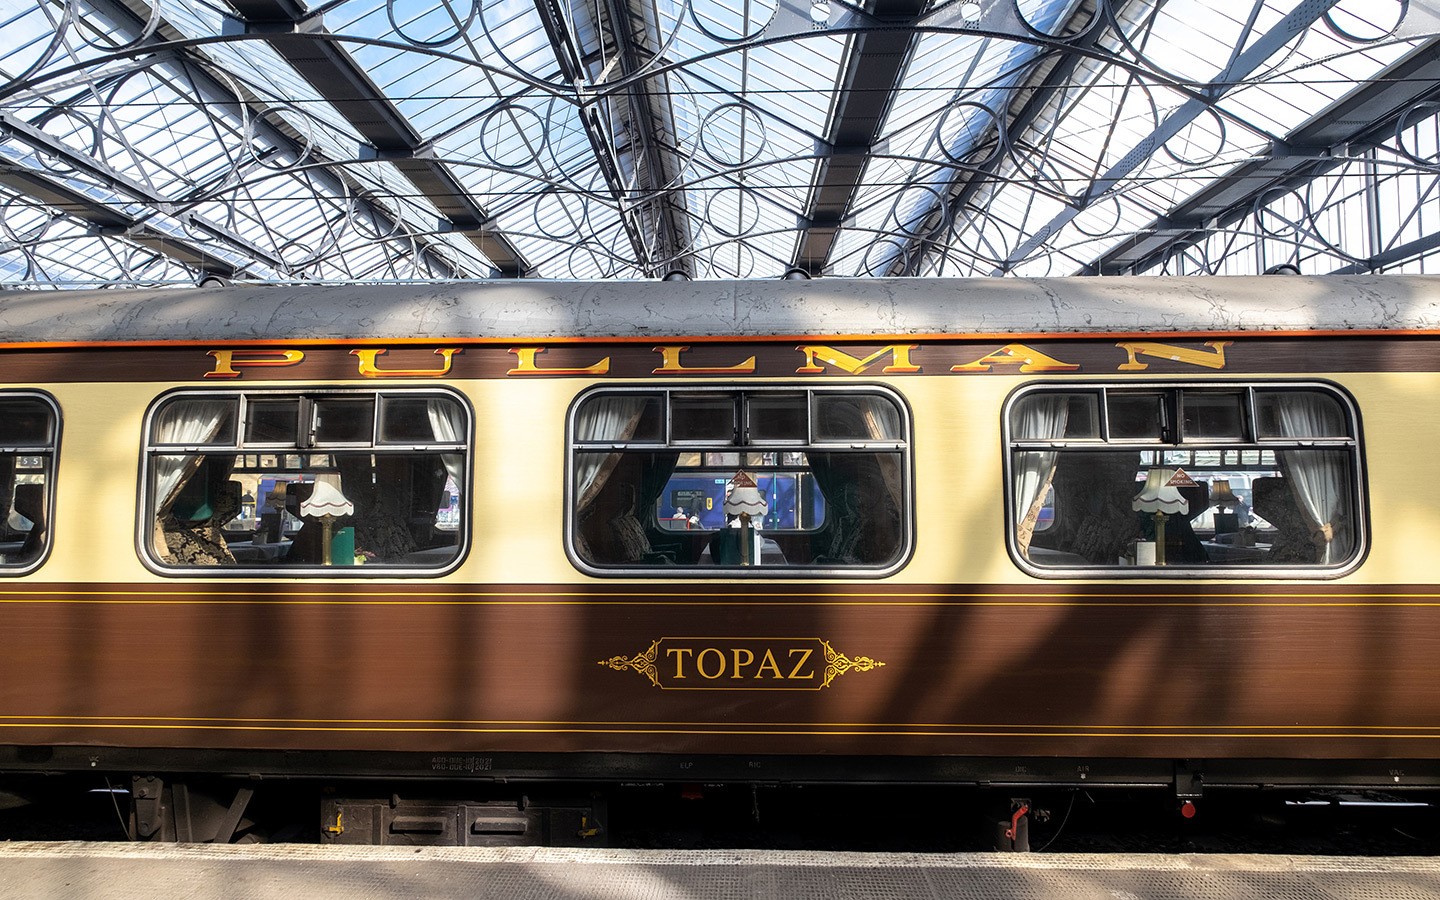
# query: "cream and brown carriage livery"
x,y
1061,531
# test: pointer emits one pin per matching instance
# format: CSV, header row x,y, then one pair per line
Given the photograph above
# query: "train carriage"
x,y
1162,532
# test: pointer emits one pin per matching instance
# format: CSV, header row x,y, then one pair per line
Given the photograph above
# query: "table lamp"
x,y
1221,496
743,499
327,504
1160,498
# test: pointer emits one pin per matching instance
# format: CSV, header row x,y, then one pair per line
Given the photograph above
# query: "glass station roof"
x,y
164,141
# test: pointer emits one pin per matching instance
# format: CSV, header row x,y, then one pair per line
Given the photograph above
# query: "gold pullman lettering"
x,y
370,368
818,359
526,365
1135,349
670,364
229,362
1026,359
899,359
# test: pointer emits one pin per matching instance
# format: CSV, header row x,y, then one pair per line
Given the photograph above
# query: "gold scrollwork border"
x,y
642,662
837,664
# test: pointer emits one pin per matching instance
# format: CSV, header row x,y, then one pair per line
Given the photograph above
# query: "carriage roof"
x,y
815,308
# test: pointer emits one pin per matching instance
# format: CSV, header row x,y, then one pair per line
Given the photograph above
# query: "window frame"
x,y
305,445
53,451
741,443
1172,438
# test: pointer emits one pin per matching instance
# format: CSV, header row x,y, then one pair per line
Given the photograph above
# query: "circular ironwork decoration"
x,y
731,23
441,261
733,213
1062,28
1366,21
732,260
512,135
367,222
580,262
501,22
560,215
1200,142
985,239
73,128
297,257
961,134
1099,219
25,221
1276,223
743,121
1412,117
275,117
915,205
144,264
28,60
101,36
882,256
443,20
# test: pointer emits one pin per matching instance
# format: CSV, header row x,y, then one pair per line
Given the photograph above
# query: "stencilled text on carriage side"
x,y
959,357
461,763
740,664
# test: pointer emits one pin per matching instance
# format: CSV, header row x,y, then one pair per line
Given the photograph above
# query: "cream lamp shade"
x,y
1159,496
326,500
744,496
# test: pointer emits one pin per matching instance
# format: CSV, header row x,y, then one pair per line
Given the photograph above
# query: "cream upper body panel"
x,y
516,502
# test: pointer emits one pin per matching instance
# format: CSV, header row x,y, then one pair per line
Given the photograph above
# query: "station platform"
x,y
121,871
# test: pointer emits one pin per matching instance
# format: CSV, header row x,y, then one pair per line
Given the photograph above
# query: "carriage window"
x,y
1255,477
272,422
28,439
324,481
723,481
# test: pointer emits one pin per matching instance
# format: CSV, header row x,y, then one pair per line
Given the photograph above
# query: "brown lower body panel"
x,y
1171,671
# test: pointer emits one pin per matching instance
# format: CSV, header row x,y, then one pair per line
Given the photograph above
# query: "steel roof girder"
x,y
299,37
570,57
1284,31
56,191
1327,140
878,59
213,93
670,218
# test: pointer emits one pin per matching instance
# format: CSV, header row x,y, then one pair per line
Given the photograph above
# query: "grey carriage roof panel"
x,y
830,308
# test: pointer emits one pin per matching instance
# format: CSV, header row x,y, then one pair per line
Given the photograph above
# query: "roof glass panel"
x,y
624,139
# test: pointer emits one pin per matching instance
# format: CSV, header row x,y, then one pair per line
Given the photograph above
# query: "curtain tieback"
x,y
1325,532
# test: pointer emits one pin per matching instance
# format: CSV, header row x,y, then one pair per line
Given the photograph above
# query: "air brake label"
x,y
741,664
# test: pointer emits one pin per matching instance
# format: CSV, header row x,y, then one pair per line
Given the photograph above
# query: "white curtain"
x,y
1039,417
1317,477
193,421
612,418
447,424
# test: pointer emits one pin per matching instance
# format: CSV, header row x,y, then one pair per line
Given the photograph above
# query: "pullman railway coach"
x,y
1017,534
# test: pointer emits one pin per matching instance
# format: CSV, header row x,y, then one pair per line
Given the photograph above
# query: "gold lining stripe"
x,y
656,598
669,593
815,731
22,721
1178,604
